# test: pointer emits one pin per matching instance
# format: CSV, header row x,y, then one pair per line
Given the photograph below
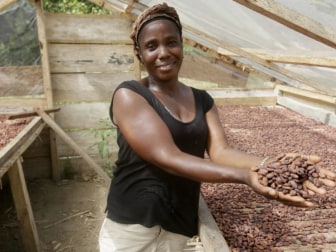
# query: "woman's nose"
x,y
163,51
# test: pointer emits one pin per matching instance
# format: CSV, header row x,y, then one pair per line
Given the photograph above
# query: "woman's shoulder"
x,y
203,97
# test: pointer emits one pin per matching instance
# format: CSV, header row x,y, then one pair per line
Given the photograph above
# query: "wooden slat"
x,y
87,87
211,236
71,58
308,58
21,104
81,29
12,151
21,80
30,113
87,140
247,101
44,56
293,20
5,3
307,94
23,208
82,115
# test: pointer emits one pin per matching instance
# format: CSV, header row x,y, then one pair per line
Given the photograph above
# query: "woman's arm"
x,y
218,149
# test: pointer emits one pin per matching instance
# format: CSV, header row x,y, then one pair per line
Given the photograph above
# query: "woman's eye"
x,y
150,46
172,43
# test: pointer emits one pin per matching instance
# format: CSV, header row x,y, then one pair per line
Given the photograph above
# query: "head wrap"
x,y
153,13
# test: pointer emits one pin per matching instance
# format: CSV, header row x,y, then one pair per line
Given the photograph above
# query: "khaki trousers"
x,y
116,237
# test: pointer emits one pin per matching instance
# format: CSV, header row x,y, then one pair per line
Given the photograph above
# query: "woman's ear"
x,y
137,53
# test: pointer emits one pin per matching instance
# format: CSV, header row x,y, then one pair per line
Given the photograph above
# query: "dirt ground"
x,y
68,215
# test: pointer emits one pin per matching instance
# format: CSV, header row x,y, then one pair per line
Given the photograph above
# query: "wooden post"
x,y
47,85
23,208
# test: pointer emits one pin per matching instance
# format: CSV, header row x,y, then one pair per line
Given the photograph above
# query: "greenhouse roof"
x,y
294,41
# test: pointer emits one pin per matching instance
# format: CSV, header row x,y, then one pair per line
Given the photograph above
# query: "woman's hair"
x,y
159,11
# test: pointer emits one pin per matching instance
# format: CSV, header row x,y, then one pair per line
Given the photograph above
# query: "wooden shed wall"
x,y
89,56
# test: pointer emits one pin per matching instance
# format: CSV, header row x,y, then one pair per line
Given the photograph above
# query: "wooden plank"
x,y
12,151
56,170
30,113
21,104
71,58
75,147
301,57
87,87
307,94
309,109
293,20
211,237
82,115
216,44
247,101
23,208
41,20
248,97
81,29
87,140
21,80
5,3
44,55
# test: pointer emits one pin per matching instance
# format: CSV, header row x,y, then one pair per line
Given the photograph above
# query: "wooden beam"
x,y
307,94
23,208
47,84
293,20
308,58
21,103
30,113
209,232
44,55
218,45
53,125
5,3
12,151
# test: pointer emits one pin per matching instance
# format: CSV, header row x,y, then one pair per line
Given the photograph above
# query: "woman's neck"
x,y
169,87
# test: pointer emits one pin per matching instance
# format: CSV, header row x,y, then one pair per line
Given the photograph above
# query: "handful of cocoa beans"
x,y
287,174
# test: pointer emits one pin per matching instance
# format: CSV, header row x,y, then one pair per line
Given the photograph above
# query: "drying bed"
x,y
250,222
9,129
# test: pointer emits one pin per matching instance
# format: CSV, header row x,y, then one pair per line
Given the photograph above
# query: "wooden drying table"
x,y
10,163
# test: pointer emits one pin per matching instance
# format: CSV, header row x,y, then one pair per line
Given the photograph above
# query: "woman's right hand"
x,y
310,180
272,194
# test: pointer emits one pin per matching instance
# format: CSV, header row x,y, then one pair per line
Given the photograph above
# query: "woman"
x,y
164,128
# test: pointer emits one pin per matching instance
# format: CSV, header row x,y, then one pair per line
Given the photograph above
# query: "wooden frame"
x,y
10,162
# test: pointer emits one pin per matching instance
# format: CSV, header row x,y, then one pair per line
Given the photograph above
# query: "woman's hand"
x,y
291,179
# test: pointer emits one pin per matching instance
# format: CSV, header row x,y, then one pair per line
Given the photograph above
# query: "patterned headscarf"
x,y
155,12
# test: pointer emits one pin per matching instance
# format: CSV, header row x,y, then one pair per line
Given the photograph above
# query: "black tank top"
x,y
141,193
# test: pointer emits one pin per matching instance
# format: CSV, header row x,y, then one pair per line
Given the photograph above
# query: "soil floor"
x,y
68,215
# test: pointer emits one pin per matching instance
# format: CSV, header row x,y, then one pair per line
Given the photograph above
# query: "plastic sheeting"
x,y
238,26
18,35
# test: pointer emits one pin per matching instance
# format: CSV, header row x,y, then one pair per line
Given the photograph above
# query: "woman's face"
x,y
160,49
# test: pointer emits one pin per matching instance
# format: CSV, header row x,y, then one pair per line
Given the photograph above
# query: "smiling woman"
x,y
164,129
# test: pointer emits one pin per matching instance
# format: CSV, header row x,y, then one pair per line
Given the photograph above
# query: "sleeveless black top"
x,y
141,193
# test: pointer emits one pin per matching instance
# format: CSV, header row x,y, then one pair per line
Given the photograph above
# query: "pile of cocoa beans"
x,y
252,223
287,174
